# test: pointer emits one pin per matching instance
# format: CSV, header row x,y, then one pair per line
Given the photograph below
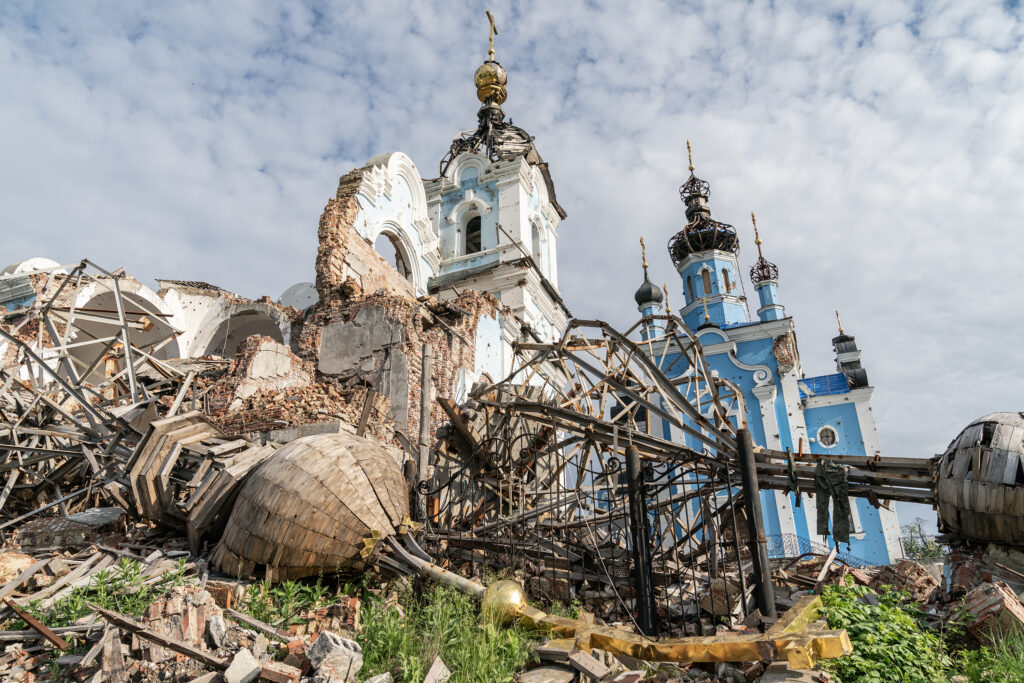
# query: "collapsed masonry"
x,y
276,439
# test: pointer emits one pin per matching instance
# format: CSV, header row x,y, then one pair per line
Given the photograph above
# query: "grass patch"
x,y
1001,659
438,621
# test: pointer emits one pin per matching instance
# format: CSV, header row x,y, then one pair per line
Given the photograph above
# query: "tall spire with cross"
x,y
765,276
704,253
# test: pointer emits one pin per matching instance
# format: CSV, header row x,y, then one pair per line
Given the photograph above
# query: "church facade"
x,y
489,222
783,408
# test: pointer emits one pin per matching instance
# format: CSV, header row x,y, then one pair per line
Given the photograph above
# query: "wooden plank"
x,y
260,626
21,578
37,625
174,644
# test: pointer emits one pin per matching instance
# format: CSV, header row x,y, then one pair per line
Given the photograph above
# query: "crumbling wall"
x,y
343,253
368,328
376,341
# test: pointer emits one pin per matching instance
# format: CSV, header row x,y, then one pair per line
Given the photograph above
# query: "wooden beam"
x,y
38,626
174,644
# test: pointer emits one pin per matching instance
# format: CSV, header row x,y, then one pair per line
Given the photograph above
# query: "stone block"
x,y
278,672
334,656
244,668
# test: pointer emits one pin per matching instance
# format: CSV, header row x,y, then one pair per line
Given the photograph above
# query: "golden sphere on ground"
x,y
490,80
503,602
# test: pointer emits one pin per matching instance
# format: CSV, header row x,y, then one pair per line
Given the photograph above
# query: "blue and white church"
x,y
785,409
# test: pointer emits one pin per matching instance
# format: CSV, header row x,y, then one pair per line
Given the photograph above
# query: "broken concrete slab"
x,y
334,656
243,669
548,674
438,673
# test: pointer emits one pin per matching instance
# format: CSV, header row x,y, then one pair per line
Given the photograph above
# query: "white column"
x,y
869,434
798,430
766,395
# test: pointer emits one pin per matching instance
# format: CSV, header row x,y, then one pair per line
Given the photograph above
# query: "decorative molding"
x,y
766,393
861,395
470,201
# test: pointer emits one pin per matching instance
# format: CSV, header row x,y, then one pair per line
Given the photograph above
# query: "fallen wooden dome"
x,y
314,506
981,481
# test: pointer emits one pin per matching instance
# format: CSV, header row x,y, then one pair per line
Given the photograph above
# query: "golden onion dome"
x,y
490,80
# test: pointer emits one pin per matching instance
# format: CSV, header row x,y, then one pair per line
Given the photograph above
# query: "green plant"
x,y
889,641
280,604
919,546
1000,659
438,621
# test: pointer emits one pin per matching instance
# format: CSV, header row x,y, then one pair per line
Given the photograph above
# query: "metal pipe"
x,y
640,533
755,526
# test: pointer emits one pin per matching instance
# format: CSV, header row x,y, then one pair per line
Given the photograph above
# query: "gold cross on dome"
x,y
643,251
704,301
668,311
491,32
689,155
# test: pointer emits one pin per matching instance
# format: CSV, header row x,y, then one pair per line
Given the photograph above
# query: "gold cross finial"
x,y
643,251
689,154
757,236
491,32
704,301
840,323
668,309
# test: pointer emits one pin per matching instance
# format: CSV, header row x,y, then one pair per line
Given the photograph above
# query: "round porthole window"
x,y
827,437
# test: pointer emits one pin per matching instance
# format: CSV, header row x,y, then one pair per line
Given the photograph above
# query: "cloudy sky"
x,y
880,143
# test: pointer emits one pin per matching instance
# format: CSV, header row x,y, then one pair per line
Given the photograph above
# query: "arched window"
x,y
705,276
538,248
725,279
473,237
387,246
689,290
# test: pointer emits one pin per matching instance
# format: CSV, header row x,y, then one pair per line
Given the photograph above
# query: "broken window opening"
x,y
689,289
705,276
473,235
725,279
388,248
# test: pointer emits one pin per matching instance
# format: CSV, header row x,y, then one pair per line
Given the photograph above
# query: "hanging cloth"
x,y
830,482
794,487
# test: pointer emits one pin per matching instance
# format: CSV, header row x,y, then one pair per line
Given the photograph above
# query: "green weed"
x,y
280,604
889,642
438,621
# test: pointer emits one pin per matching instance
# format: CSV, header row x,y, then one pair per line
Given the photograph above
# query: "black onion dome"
x,y
702,233
648,292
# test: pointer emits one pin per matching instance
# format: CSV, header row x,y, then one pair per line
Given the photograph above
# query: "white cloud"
x,y
881,144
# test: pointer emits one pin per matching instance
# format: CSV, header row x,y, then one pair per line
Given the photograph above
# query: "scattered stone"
x,y
217,630
996,609
547,674
334,656
244,668
382,678
12,564
438,673
278,672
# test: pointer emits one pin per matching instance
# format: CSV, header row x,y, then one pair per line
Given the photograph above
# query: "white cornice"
x,y
705,256
861,395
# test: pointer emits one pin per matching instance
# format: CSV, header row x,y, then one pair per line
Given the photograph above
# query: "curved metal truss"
x,y
535,474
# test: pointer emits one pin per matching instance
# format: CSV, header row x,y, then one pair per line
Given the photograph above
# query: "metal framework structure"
x,y
557,466
592,472
67,404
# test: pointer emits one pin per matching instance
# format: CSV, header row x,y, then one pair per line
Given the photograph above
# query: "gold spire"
x,y
668,310
704,301
491,32
757,236
643,251
840,323
490,79
689,154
